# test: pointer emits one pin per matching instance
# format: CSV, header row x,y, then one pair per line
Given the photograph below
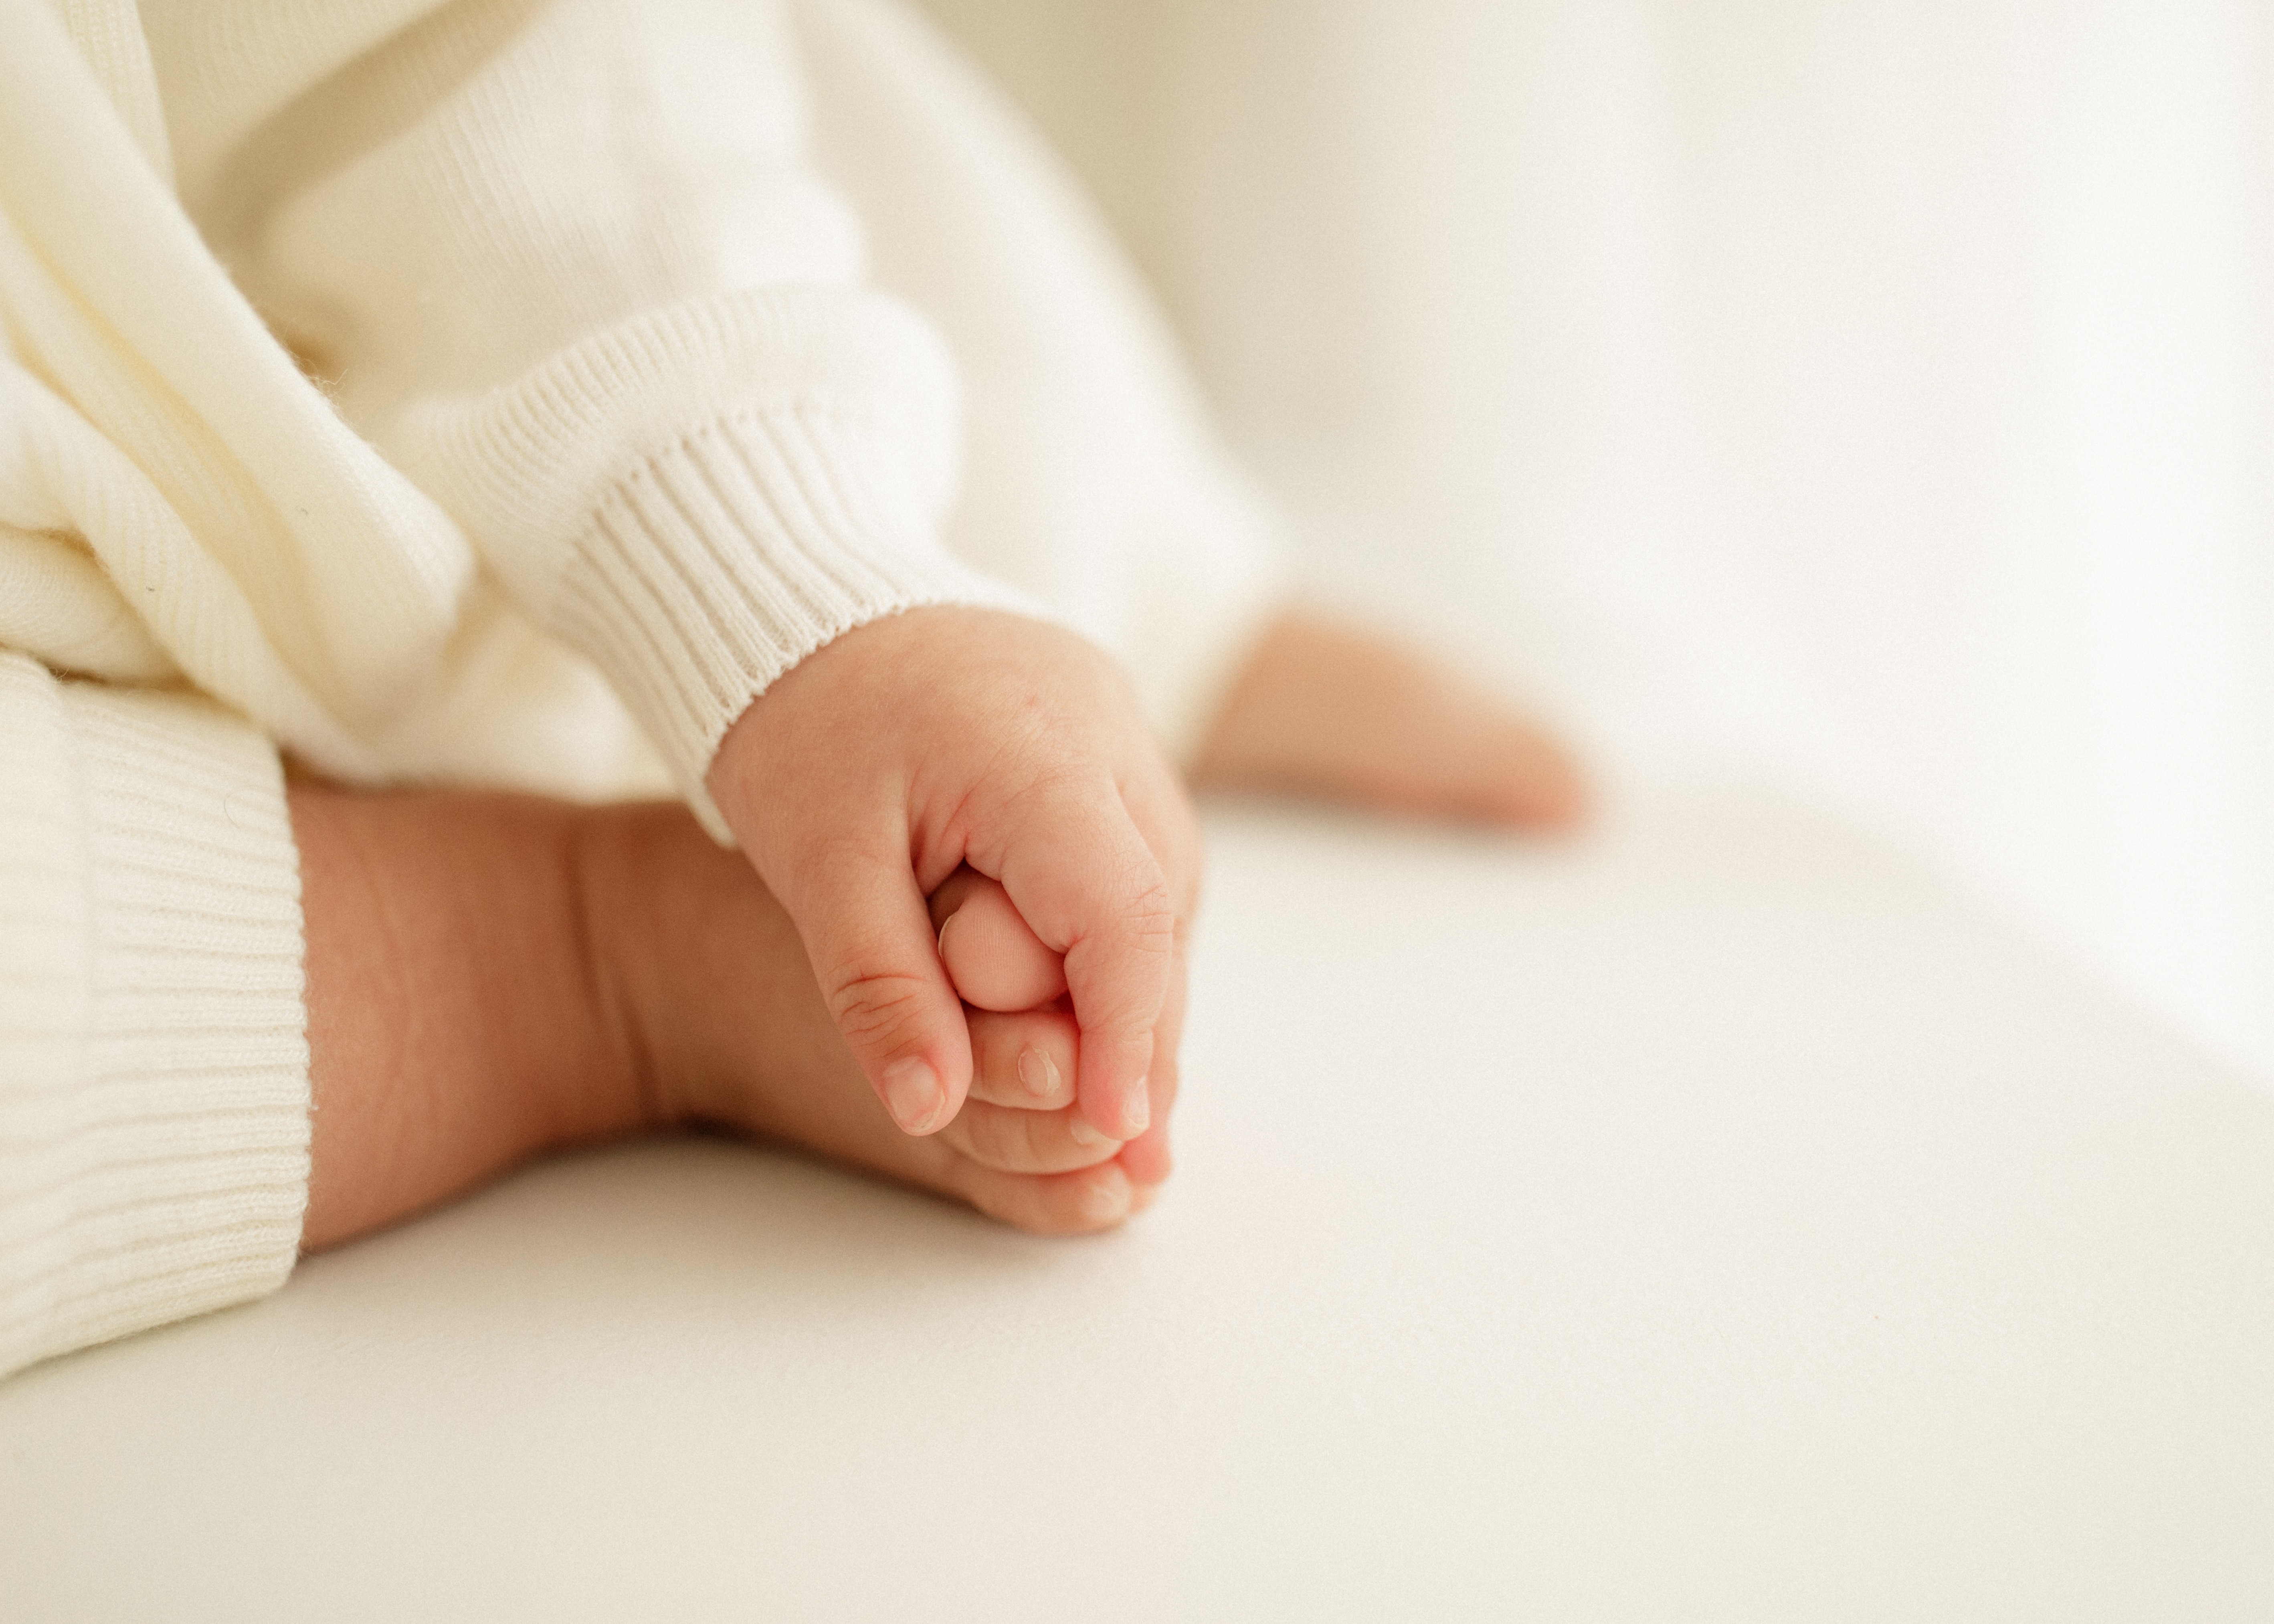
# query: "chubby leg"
x,y
490,977
1329,711
454,1028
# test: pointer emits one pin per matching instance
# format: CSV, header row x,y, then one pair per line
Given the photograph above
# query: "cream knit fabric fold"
x,y
458,390
153,1092
1091,477
686,632
736,480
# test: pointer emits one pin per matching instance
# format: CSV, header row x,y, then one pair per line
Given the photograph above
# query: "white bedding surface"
x,y
1717,1219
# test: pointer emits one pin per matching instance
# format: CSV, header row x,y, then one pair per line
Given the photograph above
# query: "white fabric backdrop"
x,y
1880,390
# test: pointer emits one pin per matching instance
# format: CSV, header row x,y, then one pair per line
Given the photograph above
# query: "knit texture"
x,y
689,634
502,395
1090,475
154,1067
737,481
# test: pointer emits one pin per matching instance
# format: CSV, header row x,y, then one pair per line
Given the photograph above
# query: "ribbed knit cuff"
x,y
153,1093
725,559
700,496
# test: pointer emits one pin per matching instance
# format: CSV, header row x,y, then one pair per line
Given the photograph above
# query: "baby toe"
x,y
1079,1203
996,962
1005,1139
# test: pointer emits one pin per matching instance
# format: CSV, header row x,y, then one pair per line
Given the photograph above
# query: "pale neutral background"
x,y
1715,1219
1722,1217
1877,389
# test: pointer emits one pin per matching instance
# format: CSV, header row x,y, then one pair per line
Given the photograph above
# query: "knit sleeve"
x,y
1092,474
153,1093
570,269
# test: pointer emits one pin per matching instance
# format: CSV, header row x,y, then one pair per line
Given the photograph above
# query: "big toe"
x,y
996,962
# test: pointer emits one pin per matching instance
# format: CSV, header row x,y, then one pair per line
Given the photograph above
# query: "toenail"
x,y
913,1094
1039,1072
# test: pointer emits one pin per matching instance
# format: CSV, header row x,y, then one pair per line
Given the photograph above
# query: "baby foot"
x,y
1328,710
737,1036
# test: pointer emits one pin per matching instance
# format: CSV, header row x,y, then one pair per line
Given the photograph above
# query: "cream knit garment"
x,y
615,424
